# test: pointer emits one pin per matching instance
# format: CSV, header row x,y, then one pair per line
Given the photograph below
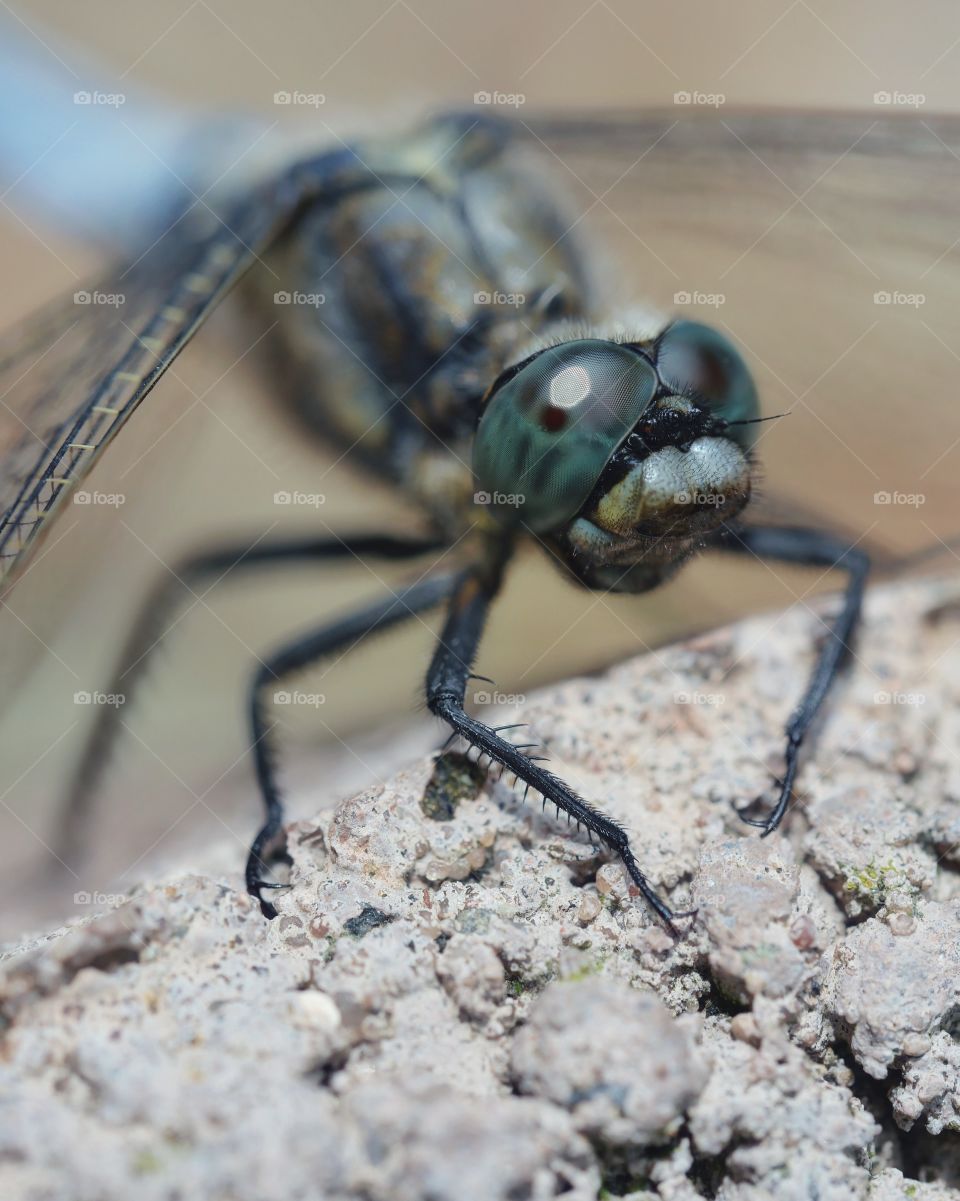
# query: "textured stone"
x,y
745,892
890,987
462,998
611,1055
786,1131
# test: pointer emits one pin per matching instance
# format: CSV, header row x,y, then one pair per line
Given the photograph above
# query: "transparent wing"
x,y
76,372
827,246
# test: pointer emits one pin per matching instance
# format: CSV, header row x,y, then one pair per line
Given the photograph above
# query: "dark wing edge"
x,y
58,438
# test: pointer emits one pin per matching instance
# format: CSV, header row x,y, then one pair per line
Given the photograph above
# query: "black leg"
x,y
810,548
202,571
269,845
446,686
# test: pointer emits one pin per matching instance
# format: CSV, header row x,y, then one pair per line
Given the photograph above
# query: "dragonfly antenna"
x,y
757,420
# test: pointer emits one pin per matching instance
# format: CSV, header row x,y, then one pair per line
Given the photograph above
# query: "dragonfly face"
x,y
621,454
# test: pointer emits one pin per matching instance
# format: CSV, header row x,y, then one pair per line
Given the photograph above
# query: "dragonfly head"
x,y
619,456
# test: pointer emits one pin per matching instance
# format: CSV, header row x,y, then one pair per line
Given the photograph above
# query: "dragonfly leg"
x,y
808,548
446,687
188,584
269,846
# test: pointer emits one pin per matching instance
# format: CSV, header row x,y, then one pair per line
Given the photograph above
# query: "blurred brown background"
x,y
783,232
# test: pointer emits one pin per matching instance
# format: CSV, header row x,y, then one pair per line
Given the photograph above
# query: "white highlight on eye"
x,y
570,387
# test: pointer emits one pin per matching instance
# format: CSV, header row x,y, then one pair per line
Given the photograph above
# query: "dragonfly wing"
x,y
826,246
74,375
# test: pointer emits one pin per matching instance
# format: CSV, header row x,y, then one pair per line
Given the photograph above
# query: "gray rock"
x,y
891,1185
462,998
891,983
611,1055
786,1131
746,892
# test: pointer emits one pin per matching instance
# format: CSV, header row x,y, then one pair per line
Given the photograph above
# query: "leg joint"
x,y
445,703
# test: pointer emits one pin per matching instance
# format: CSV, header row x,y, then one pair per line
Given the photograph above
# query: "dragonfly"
x,y
622,445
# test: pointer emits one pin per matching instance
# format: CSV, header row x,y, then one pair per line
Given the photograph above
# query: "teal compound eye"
x,y
548,432
694,356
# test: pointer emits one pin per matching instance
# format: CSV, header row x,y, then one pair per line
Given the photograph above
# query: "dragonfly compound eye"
x,y
691,356
549,431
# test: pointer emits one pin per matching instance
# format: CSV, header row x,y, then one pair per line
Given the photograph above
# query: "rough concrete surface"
x,y
462,999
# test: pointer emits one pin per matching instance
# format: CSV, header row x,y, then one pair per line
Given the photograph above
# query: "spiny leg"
x,y
269,845
446,687
808,548
152,624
